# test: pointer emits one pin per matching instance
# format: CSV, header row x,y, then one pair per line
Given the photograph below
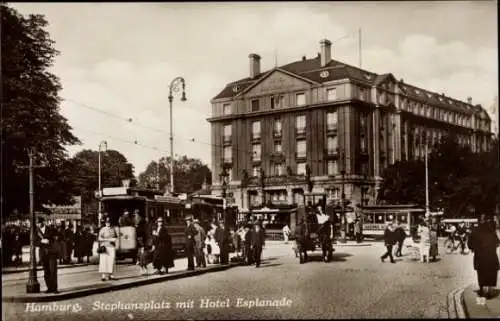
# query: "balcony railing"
x,y
331,128
256,135
300,131
227,160
227,138
256,158
300,155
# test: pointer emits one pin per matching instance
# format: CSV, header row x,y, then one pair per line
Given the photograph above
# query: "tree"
x,y
189,174
31,118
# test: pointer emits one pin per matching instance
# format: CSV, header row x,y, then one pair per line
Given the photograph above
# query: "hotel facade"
x,y
340,124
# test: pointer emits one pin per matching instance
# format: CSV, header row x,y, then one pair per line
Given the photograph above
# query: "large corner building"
x,y
344,124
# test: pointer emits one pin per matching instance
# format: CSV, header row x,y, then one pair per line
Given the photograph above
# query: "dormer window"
x,y
273,103
331,94
417,91
255,105
226,109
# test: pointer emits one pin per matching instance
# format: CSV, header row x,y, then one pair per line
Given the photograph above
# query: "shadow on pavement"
x,y
270,265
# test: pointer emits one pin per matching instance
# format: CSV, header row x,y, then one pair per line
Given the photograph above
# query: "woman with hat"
x,y
163,257
107,252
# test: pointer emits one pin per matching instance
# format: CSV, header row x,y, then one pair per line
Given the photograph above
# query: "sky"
x,y
117,60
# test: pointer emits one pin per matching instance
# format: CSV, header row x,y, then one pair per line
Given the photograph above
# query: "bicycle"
x,y
451,246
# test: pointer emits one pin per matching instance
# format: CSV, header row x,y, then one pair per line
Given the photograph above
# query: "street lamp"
x,y
175,86
343,222
103,146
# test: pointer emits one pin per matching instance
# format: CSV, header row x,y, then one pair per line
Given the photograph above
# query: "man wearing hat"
x,y
190,241
222,238
199,244
258,240
47,238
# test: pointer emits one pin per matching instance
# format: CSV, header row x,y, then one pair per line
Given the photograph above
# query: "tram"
x,y
151,205
376,217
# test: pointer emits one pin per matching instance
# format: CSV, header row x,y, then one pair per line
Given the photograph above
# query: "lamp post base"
x,y
33,286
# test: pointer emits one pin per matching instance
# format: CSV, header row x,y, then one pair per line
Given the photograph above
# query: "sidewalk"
x,y
86,280
473,310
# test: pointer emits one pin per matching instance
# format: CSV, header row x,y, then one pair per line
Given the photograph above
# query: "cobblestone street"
x,y
355,285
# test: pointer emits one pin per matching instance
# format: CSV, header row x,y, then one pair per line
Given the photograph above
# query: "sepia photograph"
x,y
249,160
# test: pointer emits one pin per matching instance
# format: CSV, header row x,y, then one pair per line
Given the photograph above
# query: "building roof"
x,y
311,69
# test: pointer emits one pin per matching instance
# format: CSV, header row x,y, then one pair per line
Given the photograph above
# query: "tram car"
x,y
151,205
319,227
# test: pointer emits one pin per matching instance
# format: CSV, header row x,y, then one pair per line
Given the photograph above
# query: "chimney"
x,y
303,58
469,100
254,65
326,52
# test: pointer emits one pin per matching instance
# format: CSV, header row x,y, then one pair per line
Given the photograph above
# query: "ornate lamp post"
x,y
103,146
175,86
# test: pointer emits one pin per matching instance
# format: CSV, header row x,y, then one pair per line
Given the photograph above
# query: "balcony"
x,y
278,157
255,136
227,160
300,155
256,158
331,129
227,139
277,133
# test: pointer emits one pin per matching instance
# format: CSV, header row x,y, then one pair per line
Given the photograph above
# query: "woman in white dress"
x,y
107,239
425,242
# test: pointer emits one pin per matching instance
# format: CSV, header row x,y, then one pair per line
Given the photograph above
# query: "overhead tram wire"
x,y
130,121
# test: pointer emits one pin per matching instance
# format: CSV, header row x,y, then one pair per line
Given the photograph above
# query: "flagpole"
x,y
359,46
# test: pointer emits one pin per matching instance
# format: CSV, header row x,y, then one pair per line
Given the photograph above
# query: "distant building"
x,y
331,117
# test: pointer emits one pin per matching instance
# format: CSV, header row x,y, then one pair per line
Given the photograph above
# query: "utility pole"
x,y
32,286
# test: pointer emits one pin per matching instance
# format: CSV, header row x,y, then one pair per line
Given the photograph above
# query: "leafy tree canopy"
x,y
30,115
189,174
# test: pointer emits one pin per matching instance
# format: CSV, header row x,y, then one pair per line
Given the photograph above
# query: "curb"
x,y
456,304
351,244
103,288
39,268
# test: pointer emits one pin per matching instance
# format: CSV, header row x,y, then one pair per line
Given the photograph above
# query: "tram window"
x,y
380,218
389,217
403,218
368,218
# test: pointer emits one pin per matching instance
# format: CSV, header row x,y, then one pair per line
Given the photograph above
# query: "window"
x,y
277,169
255,105
277,147
332,145
301,168
363,120
333,168
300,99
226,109
277,127
331,120
256,129
301,148
255,171
256,152
228,154
300,123
227,133
281,101
362,94
331,94
362,145
272,103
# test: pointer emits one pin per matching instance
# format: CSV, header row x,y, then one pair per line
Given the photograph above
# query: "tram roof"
x,y
392,208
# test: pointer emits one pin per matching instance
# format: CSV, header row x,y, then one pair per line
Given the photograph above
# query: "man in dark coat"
x,y
162,248
248,245
69,240
79,243
400,238
258,240
389,240
301,239
190,241
325,239
199,239
484,241
49,242
222,237
61,229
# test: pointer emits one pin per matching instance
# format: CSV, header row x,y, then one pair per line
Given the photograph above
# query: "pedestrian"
x,y
70,240
222,238
241,235
61,228
79,242
300,240
213,249
17,246
88,239
163,257
258,242
389,240
199,239
286,233
357,230
190,233
433,242
400,238
484,241
248,245
325,238
425,241
107,250
48,239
